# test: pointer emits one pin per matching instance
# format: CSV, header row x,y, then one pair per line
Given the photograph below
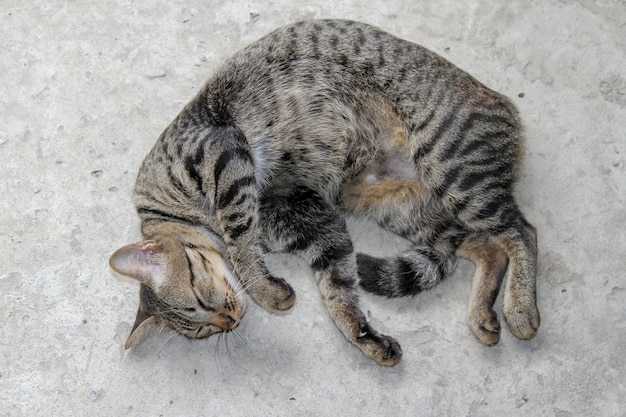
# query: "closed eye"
x,y
202,303
204,306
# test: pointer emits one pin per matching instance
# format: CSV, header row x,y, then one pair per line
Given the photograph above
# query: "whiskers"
x,y
231,341
166,342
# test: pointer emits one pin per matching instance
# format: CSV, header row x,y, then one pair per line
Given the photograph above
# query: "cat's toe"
x,y
485,326
391,352
285,296
523,320
275,295
385,350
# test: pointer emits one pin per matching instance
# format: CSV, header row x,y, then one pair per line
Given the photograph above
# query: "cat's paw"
x,y
522,318
484,325
273,294
385,350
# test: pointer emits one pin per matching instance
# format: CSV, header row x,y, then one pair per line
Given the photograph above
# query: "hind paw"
x,y
522,318
485,326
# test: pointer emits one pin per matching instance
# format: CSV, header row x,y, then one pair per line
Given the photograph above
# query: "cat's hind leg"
x,y
517,240
490,261
520,295
300,221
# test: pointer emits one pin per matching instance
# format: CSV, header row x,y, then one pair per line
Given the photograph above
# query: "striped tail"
x,y
419,269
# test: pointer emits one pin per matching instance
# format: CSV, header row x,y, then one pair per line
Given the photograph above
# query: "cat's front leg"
x,y
338,289
298,220
236,200
272,293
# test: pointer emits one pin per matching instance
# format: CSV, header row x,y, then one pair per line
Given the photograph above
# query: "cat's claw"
x,y
385,350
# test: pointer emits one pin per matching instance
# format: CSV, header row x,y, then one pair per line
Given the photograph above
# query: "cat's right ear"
x,y
143,261
145,325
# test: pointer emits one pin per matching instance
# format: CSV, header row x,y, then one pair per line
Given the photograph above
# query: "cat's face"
x,y
186,284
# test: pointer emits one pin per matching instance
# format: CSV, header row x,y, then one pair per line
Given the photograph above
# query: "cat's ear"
x,y
145,325
143,261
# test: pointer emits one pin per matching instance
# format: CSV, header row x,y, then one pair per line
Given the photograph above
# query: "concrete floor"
x,y
86,88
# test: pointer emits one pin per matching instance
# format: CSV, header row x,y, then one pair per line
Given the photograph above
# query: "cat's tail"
x,y
418,269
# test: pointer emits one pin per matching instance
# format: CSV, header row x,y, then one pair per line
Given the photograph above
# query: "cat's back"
x,y
342,56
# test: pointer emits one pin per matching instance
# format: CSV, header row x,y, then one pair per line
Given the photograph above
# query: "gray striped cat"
x,y
313,123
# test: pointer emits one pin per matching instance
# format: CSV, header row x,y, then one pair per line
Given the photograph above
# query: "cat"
x,y
313,123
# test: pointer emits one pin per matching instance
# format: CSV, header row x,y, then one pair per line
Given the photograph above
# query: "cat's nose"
x,y
228,322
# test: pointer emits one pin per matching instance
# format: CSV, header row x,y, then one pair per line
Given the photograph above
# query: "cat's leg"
x,y
501,221
490,261
231,185
303,223
520,300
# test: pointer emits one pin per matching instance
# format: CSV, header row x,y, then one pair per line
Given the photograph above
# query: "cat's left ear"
x,y
143,261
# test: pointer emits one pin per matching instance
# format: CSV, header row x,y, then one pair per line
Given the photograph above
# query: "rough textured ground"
x,y
86,88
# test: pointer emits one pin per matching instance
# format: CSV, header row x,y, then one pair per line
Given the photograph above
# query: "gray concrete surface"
x,y
87,86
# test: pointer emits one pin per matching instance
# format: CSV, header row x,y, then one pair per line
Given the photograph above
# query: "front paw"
x,y
273,294
522,317
384,350
484,325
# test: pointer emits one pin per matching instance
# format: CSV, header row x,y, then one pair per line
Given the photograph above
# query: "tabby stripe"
x,y
408,282
299,244
450,179
493,159
435,259
243,197
423,123
176,182
192,161
446,125
237,231
225,158
193,172
490,120
490,139
472,179
225,199
232,218
491,208
161,214
323,261
330,254
486,139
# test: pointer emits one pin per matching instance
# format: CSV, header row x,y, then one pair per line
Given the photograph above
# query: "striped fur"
x,y
327,119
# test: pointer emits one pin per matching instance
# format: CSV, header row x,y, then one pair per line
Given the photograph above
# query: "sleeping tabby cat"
x,y
315,122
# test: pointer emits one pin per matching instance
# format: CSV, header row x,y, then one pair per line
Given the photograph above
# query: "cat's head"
x,y
185,282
